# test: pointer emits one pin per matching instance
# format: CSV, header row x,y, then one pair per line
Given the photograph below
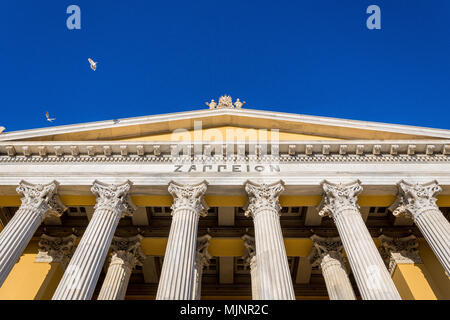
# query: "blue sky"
x,y
306,57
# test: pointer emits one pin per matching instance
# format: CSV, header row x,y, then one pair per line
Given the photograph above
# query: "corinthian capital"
x,y
399,250
337,197
113,197
202,255
127,251
324,248
41,197
189,197
56,249
414,199
263,196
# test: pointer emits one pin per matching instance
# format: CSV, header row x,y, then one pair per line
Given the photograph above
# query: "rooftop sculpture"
x,y
225,102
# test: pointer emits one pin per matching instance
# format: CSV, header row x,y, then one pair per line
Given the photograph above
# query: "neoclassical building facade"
x,y
225,203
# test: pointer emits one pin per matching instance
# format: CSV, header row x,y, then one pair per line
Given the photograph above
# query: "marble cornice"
x,y
284,151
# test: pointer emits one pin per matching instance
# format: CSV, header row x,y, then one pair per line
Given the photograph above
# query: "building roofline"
x,y
192,115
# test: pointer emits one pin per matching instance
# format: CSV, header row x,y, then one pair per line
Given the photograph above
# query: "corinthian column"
x,y
126,254
327,254
81,275
339,201
177,275
202,257
396,251
250,262
417,201
56,249
274,276
38,201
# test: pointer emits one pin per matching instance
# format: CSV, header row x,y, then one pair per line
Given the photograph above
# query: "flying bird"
x,y
48,117
93,64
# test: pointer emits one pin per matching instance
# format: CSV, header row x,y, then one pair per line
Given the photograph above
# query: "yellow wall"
x,y
228,247
440,281
414,282
223,201
31,280
425,281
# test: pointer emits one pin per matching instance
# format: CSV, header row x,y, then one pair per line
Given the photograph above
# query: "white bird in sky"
x,y
48,117
93,64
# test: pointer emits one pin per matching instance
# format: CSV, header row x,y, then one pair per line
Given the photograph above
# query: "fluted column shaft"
x,y
116,281
126,253
83,271
80,278
336,278
372,277
198,274
201,260
274,277
37,202
436,231
177,275
254,277
275,282
418,202
327,253
250,261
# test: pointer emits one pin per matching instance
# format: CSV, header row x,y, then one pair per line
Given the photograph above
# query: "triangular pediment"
x,y
290,127
227,133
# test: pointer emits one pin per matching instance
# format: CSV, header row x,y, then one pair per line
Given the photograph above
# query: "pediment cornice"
x,y
359,150
130,127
